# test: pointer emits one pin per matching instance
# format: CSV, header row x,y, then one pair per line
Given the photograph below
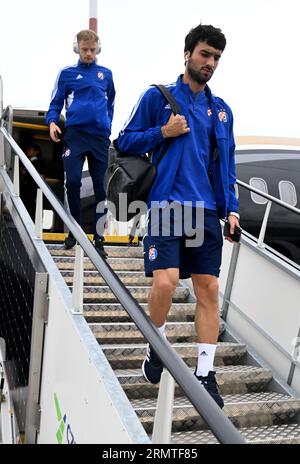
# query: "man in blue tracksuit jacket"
x,y
198,169
88,92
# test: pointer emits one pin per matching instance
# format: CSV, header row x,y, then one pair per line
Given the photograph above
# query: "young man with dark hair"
x,y
87,90
198,168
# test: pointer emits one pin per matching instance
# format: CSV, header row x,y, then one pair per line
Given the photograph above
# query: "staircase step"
x,y
131,356
126,332
244,410
93,278
273,435
112,251
117,264
104,294
231,380
114,312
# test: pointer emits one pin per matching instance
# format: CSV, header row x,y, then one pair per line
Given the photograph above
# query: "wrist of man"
x,y
233,213
163,130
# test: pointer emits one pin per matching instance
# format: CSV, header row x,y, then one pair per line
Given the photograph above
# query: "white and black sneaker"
x,y
210,384
152,366
70,242
98,244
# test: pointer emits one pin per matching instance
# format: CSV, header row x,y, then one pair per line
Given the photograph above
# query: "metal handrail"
x,y
219,424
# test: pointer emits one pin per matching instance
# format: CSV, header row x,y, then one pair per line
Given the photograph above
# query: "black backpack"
x,y
129,178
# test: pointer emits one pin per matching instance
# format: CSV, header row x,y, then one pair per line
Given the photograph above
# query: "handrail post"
x,y
2,157
162,427
10,116
230,280
6,122
38,229
16,177
77,292
262,232
1,95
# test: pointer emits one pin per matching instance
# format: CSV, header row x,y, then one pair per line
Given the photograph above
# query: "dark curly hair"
x,y
204,33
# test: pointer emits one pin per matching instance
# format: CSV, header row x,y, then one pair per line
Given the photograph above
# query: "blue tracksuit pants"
x,y
78,146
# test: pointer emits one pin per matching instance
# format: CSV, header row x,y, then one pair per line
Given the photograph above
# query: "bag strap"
x,y
169,97
175,109
134,226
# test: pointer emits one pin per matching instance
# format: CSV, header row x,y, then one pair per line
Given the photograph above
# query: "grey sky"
x,y
258,75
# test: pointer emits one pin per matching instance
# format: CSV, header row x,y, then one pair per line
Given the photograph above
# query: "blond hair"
x,y
87,34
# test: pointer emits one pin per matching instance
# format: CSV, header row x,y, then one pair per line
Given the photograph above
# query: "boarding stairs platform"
x,y
74,330
261,414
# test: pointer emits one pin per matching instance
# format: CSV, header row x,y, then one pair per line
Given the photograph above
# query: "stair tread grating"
x,y
183,345
287,433
219,369
246,398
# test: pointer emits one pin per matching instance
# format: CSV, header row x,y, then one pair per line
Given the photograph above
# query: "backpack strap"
x,y
169,97
175,109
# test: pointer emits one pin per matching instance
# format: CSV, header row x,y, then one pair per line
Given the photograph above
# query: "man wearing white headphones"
x,y
87,91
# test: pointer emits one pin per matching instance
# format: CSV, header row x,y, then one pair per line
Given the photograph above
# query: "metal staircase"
x,y
260,414
82,382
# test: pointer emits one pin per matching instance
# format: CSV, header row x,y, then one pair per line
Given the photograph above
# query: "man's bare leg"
x,y
160,296
160,300
206,288
206,320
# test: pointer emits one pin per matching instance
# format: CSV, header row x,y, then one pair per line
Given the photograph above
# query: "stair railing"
x,y
260,242
162,426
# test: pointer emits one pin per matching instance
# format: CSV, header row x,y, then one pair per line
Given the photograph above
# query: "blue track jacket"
x,y
142,133
88,93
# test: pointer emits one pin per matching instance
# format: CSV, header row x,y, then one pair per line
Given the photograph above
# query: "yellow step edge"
x,y
59,237
28,125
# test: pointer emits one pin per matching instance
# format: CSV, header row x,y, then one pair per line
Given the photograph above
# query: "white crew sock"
x,y
162,330
206,356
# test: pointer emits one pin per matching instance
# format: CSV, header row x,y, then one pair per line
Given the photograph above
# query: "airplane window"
x,y
287,192
259,184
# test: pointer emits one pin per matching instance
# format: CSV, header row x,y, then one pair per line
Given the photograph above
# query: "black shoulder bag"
x,y
132,175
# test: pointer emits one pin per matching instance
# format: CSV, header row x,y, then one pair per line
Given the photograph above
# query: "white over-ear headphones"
x,y
76,45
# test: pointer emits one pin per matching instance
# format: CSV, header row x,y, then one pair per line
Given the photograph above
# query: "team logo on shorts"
x,y
152,253
223,116
101,75
66,153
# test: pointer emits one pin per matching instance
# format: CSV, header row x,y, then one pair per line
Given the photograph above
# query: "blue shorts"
x,y
170,246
